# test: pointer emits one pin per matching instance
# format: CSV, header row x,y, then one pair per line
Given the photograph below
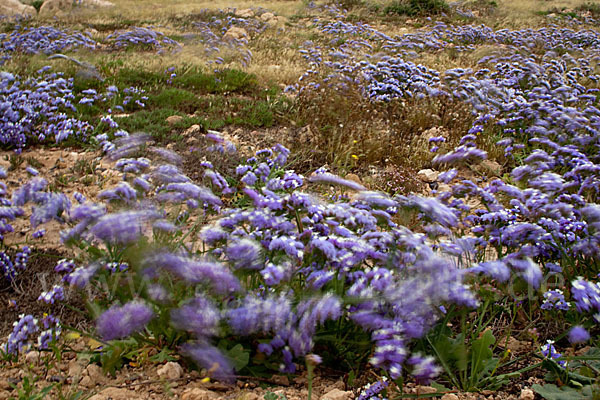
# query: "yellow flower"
x,y
354,156
72,336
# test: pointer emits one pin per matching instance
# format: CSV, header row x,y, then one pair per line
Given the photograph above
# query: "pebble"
x,y
32,357
427,175
170,370
337,394
527,394
113,393
449,396
198,394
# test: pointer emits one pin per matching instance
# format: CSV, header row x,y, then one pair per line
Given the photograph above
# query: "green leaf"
x,y
238,356
163,356
553,392
481,353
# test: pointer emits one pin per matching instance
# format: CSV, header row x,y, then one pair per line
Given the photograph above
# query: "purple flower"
x,y
244,253
423,368
199,316
328,178
461,154
549,351
65,265
19,339
554,299
57,293
578,334
81,276
124,227
211,359
196,271
121,321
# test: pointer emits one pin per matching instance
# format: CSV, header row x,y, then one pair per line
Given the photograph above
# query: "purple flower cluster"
x,y
37,108
20,339
212,34
121,321
44,39
144,37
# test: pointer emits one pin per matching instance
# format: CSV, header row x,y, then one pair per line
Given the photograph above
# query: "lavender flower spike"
x,y
331,179
121,321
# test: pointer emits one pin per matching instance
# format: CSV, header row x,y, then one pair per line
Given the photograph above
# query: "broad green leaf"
x,y
553,392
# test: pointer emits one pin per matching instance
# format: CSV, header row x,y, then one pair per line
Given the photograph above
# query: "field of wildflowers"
x,y
250,228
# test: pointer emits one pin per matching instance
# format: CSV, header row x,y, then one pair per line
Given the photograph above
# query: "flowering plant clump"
x,y
37,108
44,39
213,34
287,265
144,37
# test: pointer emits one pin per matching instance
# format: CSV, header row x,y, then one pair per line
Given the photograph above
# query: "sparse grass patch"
x,y
177,99
226,81
592,8
417,7
348,131
154,122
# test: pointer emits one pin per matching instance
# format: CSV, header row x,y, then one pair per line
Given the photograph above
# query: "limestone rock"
x,y
489,168
51,7
280,380
15,7
113,393
449,396
174,119
526,394
170,370
95,374
337,394
426,390
236,33
267,16
244,13
249,396
198,394
192,130
32,357
86,382
427,175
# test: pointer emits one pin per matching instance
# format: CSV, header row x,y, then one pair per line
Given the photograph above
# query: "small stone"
x,y
95,373
281,380
426,389
198,394
113,393
235,33
244,13
249,396
174,119
354,178
75,369
526,394
32,357
86,382
337,394
267,16
15,7
449,396
489,168
192,130
170,370
427,175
